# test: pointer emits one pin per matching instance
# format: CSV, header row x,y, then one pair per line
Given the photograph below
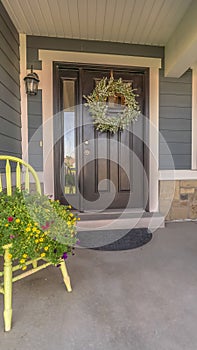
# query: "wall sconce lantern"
x,y
31,83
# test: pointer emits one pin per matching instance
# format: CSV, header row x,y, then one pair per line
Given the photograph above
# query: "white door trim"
x,y
46,76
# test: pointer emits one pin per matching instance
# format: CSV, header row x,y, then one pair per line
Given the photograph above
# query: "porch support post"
x,y
47,95
24,116
194,117
154,140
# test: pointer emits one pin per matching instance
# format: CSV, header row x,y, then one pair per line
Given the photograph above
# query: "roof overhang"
x,y
181,49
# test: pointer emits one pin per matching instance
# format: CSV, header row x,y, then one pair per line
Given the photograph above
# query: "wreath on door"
x,y
110,116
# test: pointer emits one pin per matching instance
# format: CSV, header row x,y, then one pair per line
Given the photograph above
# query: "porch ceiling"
x,y
169,23
128,21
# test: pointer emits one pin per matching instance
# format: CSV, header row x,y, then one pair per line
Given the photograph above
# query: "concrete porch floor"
x,y
143,299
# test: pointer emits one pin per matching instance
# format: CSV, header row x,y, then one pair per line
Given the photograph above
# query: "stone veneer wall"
x,y
178,199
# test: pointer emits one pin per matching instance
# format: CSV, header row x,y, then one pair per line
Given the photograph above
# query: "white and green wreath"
x,y
104,120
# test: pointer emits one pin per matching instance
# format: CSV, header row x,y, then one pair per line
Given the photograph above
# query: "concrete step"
x,y
119,219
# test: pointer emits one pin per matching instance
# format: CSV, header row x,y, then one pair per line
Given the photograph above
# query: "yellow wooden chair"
x,y
8,272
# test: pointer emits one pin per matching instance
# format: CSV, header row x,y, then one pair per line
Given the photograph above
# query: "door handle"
x,y
86,152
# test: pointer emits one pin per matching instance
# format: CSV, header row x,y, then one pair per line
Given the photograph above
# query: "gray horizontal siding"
x,y
9,23
173,100
9,113
62,44
173,124
10,129
10,99
176,163
9,83
175,121
175,148
7,64
8,50
10,117
10,145
35,131
175,112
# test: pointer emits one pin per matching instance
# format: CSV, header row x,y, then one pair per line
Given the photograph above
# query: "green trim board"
x,y
34,43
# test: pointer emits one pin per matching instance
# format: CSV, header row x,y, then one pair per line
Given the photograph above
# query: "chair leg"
x,y
66,277
34,264
7,290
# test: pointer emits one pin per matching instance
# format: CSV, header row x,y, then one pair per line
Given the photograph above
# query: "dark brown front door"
x,y
94,170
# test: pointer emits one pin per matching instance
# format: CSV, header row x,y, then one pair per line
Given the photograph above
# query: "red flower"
x,y
10,218
45,227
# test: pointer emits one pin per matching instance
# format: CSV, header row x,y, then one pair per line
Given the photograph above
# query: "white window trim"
x,y
177,175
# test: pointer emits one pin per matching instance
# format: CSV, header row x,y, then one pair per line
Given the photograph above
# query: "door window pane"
x,y
69,136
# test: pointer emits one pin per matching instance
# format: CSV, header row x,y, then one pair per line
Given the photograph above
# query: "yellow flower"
x,y
36,224
17,221
10,256
28,229
34,229
69,207
25,256
6,225
36,240
71,214
41,239
42,255
24,268
46,248
22,261
68,223
37,231
78,219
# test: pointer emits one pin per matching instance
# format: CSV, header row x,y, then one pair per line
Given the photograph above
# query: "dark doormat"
x,y
110,240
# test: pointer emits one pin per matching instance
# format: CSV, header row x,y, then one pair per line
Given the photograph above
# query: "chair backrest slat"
x,y
8,178
18,176
27,180
8,174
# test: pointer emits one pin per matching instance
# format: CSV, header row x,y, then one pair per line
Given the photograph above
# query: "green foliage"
x,y
97,103
36,226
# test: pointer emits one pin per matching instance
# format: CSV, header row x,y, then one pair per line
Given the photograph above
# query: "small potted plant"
x,y
36,227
